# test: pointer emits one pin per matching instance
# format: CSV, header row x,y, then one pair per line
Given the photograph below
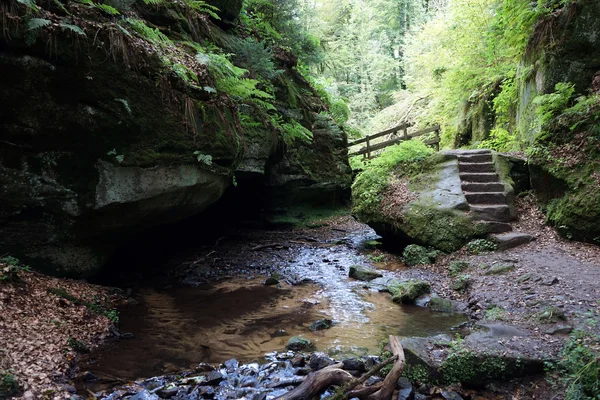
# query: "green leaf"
x,y
108,9
72,28
37,23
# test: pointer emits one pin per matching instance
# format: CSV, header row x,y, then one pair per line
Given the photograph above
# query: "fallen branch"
x,y
267,246
317,382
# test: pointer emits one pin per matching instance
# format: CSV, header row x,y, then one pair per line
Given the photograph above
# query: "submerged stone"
x,y
407,292
321,325
298,343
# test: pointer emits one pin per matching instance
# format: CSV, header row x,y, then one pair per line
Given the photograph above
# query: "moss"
x,y
440,304
456,267
414,254
416,373
466,366
444,230
9,386
407,292
551,315
461,283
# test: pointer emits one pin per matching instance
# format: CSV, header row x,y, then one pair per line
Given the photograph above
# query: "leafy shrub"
x,y
254,56
456,267
9,386
78,346
368,188
10,267
581,364
478,246
417,255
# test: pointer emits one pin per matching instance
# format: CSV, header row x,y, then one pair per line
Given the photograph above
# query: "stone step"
x,y
476,158
509,240
483,187
485,198
492,212
495,226
479,177
473,151
476,167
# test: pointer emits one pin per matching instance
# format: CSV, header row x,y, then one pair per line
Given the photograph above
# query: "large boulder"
x,y
107,130
418,202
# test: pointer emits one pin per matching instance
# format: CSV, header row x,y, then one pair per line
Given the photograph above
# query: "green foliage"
x,y
551,314
10,268
96,305
417,255
495,313
72,28
552,104
464,365
368,188
461,283
581,366
78,345
456,267
203,158
479,246
151,34
9,386
254,56
293,131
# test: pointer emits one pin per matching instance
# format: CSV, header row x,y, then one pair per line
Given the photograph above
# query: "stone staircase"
x,y
484,191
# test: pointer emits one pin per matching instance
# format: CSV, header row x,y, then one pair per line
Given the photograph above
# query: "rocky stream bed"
x,y
252,292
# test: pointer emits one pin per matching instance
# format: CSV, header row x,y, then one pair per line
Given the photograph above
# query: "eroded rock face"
x,y
99,142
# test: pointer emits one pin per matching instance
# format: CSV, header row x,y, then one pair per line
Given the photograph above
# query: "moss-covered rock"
x,y
299,343
416,198
441,304
407,292
363,273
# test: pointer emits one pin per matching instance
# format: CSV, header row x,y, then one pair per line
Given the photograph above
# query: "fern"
x,y
153,35
30,4
72,28
108,9
203,8
203,158
292,131
185,73
37,23
154,2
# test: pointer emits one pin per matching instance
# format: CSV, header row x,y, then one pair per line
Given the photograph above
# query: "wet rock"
x,y
498,269
144,395
419,396
286,381
440,304
248,381
206,391
405,389
167,393
231,365
303,371
320,325
450,395
204,367
271,281
87,376
559,330
298,343
298,361
354,364
126,335
407,292
373,380
279,333
363,273
319,361
371,361
214,377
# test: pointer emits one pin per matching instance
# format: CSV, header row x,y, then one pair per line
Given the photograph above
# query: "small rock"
x,y
363,273
87,376
204,367
512,239
298,343
320,325
214,377
419,396
271,281
498,269
354,364
231,365
303,371
206,391
407,292
167,393
298,361
549,281
319,361
405,389
559,330
523,278
279,333
440,304
373,380
450,395
126,335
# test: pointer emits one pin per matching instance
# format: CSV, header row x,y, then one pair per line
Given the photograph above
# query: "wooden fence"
x,y
367,150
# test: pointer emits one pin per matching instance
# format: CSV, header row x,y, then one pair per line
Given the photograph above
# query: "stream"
x,y
215,306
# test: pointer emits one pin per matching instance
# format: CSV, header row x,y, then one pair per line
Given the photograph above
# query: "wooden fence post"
x,y
405,132
437,136
368,148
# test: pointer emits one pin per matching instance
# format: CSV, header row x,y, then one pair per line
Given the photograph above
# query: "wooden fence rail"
x,y
369,147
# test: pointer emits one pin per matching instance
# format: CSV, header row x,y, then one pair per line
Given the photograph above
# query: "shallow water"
x,y
178,327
